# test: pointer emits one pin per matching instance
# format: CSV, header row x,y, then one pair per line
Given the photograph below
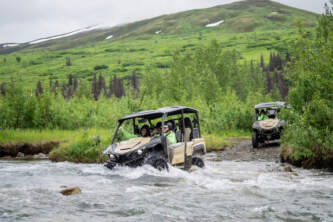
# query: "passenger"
x,y
170,135
262,115
157,130
144,132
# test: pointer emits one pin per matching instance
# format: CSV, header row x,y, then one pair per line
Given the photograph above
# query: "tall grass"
x,y
36,135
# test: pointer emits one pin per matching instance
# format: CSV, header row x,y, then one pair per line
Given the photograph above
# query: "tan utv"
x,y
133,147
267,125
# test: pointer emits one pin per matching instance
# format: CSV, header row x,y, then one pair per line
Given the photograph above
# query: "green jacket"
x,y
262,117
171,137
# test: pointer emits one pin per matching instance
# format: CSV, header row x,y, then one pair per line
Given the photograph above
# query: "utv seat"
x,y
178,136
188,129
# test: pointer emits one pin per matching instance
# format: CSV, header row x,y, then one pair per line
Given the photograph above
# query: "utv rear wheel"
x,y
255,142
197,161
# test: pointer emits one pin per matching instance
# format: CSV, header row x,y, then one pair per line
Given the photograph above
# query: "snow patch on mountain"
x,y
109,37
10,45
66,34
215,24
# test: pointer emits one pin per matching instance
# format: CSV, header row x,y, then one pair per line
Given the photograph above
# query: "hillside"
x,y
252,27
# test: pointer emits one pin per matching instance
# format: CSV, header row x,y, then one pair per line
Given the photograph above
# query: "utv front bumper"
x,y
132,160
272,134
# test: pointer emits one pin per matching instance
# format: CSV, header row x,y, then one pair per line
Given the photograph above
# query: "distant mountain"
x,y
238,17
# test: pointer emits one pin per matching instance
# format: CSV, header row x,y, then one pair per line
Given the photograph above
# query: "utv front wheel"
x,y
255,142
161,164
197,161
110,165
158,163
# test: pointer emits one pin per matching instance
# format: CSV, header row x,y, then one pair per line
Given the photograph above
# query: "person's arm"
x,y
125,135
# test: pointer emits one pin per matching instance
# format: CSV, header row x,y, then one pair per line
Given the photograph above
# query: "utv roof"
x,y
276,104
151,114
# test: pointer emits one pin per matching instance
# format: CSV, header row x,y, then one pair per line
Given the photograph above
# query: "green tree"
x,y
310,128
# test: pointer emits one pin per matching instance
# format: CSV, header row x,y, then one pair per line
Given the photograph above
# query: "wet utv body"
x,y
156,150
269,129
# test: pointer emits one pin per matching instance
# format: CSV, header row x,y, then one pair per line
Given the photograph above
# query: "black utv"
x,y
267,125
143,138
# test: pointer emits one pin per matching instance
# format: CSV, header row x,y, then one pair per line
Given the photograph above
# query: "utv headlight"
x,y
110,149
112,157
139,152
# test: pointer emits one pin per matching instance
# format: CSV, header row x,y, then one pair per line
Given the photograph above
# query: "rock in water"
x,y
19,154
40,156
71,191
288,169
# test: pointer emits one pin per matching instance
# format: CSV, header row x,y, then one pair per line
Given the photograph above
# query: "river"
x,y
223,191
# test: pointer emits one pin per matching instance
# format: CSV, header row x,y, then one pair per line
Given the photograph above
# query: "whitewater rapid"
x,y
223,191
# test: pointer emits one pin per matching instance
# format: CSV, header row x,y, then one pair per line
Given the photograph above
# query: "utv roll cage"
x,y
162,113
271,105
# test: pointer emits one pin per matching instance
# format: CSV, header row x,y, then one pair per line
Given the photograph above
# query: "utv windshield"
x,y
267,113
138,127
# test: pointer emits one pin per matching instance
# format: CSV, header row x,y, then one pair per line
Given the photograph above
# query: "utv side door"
x,y
177,156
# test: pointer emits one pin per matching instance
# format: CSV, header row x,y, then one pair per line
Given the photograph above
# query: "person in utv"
x,y
263,115
144,132
170,135
158,129
125,135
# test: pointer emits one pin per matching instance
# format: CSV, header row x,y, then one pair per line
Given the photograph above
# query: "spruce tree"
x,y
39,89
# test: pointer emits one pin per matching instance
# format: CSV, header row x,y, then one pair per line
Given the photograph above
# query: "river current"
x,y
222,191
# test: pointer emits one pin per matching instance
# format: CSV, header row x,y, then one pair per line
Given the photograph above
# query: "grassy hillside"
x,y
252,27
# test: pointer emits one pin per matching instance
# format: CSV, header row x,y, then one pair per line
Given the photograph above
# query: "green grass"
x,y
32,135
220,142
216,143
84,146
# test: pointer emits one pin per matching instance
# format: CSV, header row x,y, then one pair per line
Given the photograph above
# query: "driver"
x,y
144,132
262,115
123,134
170,135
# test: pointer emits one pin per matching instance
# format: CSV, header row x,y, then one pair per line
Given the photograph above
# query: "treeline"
x,y
72,86
216,82
272,74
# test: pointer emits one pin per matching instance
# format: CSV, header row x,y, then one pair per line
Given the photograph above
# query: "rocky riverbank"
x,y
321,161
241,150
26,150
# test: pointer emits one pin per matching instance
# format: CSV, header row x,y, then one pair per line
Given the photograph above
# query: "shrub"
x,y
162,65
84,150
98,67
215,143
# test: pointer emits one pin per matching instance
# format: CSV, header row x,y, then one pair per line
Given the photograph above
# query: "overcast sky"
x,y
26,20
